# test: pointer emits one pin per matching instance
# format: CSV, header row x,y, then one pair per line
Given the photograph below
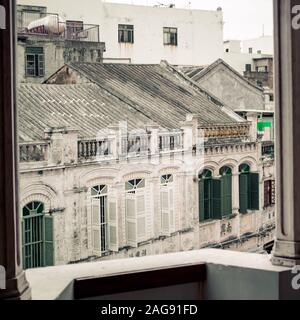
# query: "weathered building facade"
x,y
50,42
132,160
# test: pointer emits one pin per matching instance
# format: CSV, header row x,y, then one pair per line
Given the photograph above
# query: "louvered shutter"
x,y
254,191
165,214
171,209
201,200
226,195
216,199
113,244
141,215
243,196
96,227
49,248
131,219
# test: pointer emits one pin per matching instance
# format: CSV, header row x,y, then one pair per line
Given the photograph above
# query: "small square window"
x,y
170,36
126,33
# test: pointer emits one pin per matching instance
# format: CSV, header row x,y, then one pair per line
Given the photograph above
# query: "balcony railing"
x,y
90,149
268,148
47,24
33,151
170,141
136,144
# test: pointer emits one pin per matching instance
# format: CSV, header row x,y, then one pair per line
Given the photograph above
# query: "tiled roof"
x,y
197,73
158,91
84,106
109,93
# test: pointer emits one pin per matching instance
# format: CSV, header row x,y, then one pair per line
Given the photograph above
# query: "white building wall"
x,y
196,46
264,44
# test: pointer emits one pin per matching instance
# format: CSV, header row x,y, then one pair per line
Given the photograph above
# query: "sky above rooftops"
x,y
244,19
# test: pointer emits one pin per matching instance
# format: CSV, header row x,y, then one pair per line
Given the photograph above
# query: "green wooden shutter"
x,y
243,196
201,200
226,195
216,199
254,191
49,248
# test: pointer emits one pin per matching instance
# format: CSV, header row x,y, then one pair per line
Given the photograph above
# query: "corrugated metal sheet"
x,y
154,90
83,106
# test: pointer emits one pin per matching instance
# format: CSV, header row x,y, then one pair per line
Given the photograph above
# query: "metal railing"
x,y
268,148
54,26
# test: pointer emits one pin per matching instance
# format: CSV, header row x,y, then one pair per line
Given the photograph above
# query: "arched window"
x,y
226,191
136,213
104,220
207,189
249,189
37,236
99,219
167,204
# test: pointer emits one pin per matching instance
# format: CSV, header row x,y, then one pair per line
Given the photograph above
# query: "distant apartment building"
x,y
45,42
145,34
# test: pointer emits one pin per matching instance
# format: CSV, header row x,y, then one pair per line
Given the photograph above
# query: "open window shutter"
x,y
254,191
165,214
49,247
141,215
201,200
131,219
216,199
96,227
243,196
226,195
113,244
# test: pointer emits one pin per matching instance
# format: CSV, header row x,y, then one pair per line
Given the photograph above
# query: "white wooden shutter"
x,y
113,243
96,227
165,217
167,210
171,209
131,219
141,215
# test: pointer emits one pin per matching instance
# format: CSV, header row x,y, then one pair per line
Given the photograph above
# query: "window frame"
x,y
126,31
172,36
38,61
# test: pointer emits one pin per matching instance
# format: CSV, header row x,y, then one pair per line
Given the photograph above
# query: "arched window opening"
x,y
226,191
248,189
136,213
37,236
99,219
209,196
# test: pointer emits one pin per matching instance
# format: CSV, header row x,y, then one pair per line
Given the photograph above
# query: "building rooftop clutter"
x,y
159,92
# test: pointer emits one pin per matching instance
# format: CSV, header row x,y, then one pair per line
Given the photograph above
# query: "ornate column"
x,y
10,257
287,74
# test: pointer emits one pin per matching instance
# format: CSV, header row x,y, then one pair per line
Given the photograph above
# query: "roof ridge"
x,y
219,61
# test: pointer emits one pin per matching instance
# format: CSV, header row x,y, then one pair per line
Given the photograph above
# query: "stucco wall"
x,y
228,87
148,30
